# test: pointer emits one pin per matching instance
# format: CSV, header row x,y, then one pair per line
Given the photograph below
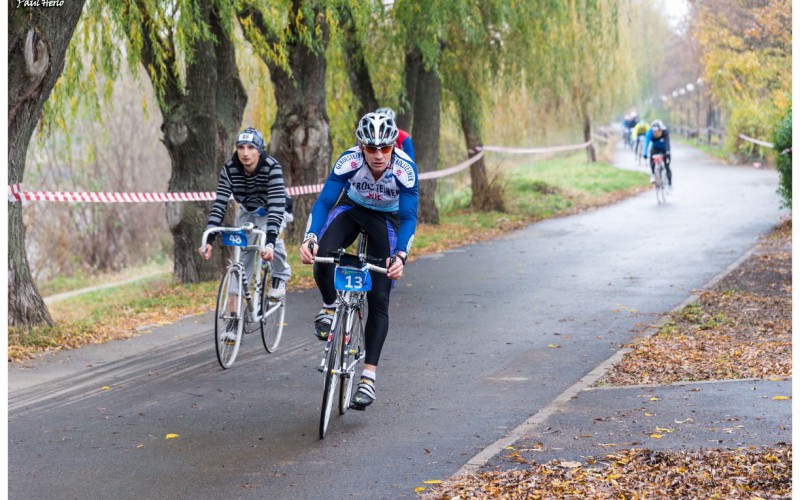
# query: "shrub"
x,y
783,145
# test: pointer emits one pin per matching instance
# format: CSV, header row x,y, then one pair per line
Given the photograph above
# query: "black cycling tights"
x,y
667,161
342,229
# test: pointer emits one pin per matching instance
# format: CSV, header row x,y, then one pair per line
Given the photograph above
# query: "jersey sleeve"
x,y
276,200
408,147
408,183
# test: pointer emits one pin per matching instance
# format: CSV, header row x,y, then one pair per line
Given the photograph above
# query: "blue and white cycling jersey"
x,y
397,191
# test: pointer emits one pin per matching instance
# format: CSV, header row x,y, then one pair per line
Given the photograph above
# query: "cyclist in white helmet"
x,y
403,138
656,141
380,187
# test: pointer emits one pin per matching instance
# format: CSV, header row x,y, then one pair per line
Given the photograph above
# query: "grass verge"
x,y
533,191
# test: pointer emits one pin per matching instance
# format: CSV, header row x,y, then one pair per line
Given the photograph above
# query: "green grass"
x,y
61,284
533,190
715,150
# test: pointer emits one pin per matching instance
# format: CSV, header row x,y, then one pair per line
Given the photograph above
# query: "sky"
x,y
675,10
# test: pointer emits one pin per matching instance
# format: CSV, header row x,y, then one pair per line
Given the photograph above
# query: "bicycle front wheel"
x,y
353,353
661,195
228,325
273,312
332,370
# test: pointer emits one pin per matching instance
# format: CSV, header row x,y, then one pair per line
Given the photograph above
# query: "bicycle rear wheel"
x,y
228,326
353,353
331,370
273,312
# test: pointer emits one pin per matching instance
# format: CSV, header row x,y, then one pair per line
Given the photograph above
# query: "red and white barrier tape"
x,y
451,170
16,194
555,149
756,141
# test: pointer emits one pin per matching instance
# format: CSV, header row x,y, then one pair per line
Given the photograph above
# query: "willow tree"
x,y
422,30
37,44
488,43
186,48
576,53
291,37
353,19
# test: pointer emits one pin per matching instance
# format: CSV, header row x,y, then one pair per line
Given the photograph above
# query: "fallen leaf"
x,y
656,436
654,399
570,465
781,398
171,436
421,488
554,346
684,421
105,388
433,481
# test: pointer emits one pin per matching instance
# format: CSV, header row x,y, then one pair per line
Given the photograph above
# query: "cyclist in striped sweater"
x,y
255,180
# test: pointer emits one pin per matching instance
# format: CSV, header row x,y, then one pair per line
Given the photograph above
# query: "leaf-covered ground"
x,y
740,328
639,474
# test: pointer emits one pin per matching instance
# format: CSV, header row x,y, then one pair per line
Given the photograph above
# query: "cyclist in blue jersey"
x,y
403,138
656,141
381,193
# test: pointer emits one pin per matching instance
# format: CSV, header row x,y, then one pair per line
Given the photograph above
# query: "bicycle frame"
x,y
339,358
247,228
659,168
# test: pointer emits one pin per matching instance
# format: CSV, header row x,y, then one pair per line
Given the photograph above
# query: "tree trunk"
x,y
405,115
199,128
37,43
301,134
360,82
427,103
587,135
485,195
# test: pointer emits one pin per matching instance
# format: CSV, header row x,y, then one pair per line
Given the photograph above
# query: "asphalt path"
x,y
481,338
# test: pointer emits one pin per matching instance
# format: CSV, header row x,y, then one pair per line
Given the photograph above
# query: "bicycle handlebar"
x,y
335,260
247,228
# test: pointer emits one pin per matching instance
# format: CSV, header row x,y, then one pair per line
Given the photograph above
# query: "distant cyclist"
x,y
630,121
638,132
403,141
373,186
657,142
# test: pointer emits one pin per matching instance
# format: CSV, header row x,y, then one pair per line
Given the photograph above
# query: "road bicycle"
x,y
345,351
660,174
638,149
243,305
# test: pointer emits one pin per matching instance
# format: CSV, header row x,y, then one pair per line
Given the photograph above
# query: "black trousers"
x,y
343,226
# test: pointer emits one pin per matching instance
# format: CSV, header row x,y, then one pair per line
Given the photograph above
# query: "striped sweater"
x,y
262,189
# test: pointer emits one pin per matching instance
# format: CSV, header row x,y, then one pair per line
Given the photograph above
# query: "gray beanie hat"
x,y
251,136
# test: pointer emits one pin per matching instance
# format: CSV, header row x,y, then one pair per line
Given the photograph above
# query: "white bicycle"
x,y
660,173
242,306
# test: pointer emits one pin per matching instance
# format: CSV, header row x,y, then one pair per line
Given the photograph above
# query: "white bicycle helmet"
x,y
657,125
376,130
386,111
